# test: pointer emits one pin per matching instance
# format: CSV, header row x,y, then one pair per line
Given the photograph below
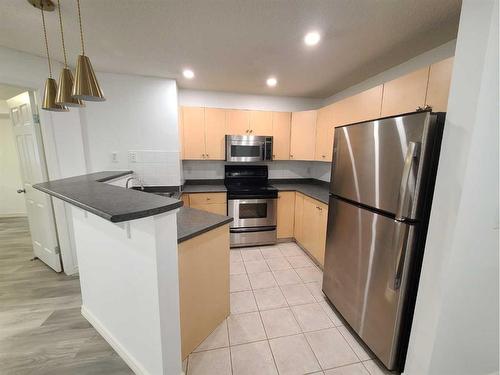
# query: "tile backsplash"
x,y
204,169
156,167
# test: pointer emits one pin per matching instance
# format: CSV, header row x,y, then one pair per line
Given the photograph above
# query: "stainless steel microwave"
x,y
249,148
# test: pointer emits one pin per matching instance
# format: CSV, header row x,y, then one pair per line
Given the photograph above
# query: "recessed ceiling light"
x,y
271,81
188,73
312,38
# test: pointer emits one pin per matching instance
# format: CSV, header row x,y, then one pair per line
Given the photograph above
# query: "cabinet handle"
x,y
323,156
208,199
291,156
203,156
207,156
251,131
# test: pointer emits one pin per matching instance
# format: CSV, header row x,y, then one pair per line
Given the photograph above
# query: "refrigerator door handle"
x,y
411,154
400,240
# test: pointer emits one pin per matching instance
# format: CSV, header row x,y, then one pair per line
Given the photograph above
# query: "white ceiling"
x,y
234,45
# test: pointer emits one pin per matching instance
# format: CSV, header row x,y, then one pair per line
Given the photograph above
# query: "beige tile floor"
x,y
280,322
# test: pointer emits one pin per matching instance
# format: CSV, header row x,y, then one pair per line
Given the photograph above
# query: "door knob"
x,y
19,191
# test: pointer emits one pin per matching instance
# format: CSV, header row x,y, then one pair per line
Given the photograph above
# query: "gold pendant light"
x,y
49,96
65,87
85,86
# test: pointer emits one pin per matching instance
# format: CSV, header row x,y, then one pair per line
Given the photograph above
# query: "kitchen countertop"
x,y
192,223
114,203
315,189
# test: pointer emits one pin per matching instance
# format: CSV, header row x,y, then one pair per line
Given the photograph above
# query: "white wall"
x,y
215,99
130,287
11,203
455,328
139,114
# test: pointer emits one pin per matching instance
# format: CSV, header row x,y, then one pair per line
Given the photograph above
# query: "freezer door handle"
x,y
411,154
400,241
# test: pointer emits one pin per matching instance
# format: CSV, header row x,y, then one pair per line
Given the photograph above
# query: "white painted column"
x,y
455,327
130,287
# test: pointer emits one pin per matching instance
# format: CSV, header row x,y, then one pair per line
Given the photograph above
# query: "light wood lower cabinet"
x,y
311,217
210,202
299,209
286,212
203,286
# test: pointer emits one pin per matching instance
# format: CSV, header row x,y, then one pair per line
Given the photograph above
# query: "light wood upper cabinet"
x,y
215,131
438,87
281,135
285,213
261,123
238,122
324,134
405,93
193,123
303,135
360,107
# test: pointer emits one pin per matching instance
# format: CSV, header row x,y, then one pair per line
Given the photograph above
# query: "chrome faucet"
x,y
136,179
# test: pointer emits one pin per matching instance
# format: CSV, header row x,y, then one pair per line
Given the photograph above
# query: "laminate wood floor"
x,y
41,328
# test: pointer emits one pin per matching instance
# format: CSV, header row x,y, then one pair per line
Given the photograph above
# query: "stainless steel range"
x,y
251,201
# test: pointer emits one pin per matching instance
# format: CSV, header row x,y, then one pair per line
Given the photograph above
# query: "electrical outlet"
x,y
132,156
114,157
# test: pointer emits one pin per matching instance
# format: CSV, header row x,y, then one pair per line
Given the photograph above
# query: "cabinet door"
x,y
405,93
309,226
299,210
281,135
438,87
238,122
286,213
215,130
321,221
303,135
261,123
193,121
215,208
324,134
360,107
185,199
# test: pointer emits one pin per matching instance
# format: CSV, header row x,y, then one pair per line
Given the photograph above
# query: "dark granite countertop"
x,y
192,223
315,189
204,186
113,203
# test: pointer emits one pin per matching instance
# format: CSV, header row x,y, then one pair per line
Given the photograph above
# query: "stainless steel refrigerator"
x,y
381,190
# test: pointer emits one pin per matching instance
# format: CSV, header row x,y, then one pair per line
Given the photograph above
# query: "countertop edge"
x,y
204,230
111,175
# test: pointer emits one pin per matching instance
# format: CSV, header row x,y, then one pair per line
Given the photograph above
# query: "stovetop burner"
x,y
248,182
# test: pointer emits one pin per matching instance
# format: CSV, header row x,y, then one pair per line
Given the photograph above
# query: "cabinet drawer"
x,y
207,198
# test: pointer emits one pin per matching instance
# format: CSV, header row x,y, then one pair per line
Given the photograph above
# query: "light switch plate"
x,y
132,155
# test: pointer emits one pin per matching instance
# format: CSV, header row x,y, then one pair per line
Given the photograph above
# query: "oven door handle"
x,y
254,229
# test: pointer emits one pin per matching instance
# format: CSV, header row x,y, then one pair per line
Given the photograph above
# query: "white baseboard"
x,y
134,365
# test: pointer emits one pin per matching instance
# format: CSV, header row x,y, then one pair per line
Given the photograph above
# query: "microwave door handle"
x,y
411,155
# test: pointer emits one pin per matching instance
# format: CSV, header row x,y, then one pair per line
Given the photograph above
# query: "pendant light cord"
x,y
62,33
81,29
46,43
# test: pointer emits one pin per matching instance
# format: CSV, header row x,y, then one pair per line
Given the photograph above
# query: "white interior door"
x,y
33,170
